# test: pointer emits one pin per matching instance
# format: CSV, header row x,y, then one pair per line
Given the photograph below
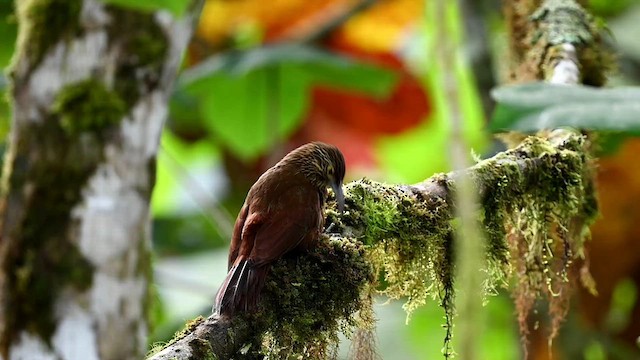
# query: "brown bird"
x,y
282,212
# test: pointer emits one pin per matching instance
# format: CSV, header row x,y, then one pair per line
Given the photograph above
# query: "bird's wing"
x,y
298,215
236,238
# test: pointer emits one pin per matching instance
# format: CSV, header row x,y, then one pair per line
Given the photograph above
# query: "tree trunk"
x,y
90,84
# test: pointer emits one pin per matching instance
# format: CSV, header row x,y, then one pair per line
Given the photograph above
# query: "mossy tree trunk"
x,y
89,88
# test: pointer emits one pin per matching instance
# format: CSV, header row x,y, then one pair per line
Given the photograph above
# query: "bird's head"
x,y
323,165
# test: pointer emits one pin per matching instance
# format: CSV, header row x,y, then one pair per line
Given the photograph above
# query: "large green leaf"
x,y
253,111
250,100
176,7
536,106
318,65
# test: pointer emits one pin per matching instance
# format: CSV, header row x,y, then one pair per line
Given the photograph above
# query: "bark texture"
x,y
89,87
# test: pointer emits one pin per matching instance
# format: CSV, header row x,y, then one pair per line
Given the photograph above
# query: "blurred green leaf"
x,y
8,32
428,142
251,111
594,350
536,106
610,143
500,334
184,234
250,115
249,100
319,67
176,7
623,301
609,7
170,198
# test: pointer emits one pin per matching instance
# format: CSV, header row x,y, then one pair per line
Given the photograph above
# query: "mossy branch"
x,y
546,33
536,199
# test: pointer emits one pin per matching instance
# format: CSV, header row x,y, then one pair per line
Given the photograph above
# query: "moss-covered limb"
x,y
564,47
537,201
206,339
541,33
530,196
308,299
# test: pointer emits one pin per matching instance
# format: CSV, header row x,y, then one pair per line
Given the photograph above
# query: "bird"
x,y
282,212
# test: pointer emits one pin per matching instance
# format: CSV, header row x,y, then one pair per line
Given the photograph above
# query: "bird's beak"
x,y
337,189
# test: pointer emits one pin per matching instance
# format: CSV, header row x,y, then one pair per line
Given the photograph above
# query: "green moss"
x,y
88,106
309,298
43,23
201,350
55,169
409,242
189,327
143,51
409,238
530,222
542,220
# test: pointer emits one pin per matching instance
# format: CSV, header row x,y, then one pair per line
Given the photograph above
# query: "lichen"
x,y
556,23
88,106
43,23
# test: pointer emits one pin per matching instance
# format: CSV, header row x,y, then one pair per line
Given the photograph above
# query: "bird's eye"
x,y
330,170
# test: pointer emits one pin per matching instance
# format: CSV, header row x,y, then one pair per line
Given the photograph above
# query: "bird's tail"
x,y
240,290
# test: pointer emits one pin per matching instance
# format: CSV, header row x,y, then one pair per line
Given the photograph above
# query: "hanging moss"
x,y
530,223
535,219
409,242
